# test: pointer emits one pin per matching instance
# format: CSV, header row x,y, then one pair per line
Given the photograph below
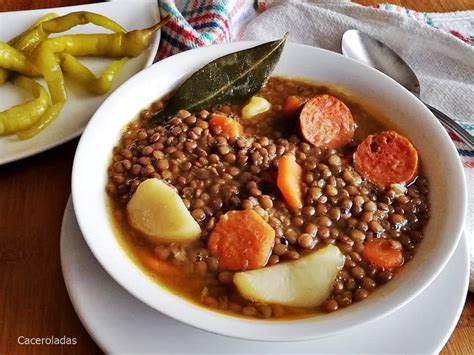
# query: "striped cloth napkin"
x,y
444,63
197,23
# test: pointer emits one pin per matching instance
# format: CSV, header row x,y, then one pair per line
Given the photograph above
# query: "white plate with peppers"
x,y
84,88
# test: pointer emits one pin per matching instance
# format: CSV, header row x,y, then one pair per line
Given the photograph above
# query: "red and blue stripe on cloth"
x,y
197,23
466,154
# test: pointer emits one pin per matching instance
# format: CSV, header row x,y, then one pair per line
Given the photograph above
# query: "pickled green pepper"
x,y
82,75
12,59
44,121
4,72
115,45
46,62
35,35
25,115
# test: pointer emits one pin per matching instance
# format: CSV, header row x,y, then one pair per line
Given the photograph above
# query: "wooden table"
x,y
33,194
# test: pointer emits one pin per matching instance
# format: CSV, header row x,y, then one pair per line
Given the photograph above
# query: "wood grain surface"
x,y
33,194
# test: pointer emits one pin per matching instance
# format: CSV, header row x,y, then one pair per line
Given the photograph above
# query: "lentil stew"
x,y
223,160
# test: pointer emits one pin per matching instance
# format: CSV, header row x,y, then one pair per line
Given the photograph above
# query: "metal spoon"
x,y
368,50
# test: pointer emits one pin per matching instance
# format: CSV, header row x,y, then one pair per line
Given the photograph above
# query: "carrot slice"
x,y
381,253
292,104
229,127
386,158
241,240
156,265
326,122
289,180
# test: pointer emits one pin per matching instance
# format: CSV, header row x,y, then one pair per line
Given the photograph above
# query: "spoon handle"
x,y
448,122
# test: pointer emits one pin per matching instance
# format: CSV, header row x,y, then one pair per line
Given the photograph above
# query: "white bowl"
x,y
437,153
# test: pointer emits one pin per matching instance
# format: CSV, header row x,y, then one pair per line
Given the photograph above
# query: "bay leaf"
x,y
230,79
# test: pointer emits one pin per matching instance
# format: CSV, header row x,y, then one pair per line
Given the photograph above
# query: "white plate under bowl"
x,y
80,106
119,323
440,163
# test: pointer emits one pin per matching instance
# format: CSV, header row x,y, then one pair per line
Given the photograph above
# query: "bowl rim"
x,y
241,327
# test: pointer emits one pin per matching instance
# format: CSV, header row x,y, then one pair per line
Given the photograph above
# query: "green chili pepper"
x,y
12,59
116,45
44,121
4,72
46,62
66,22
81,74
42,19
29,40
3,75
25,115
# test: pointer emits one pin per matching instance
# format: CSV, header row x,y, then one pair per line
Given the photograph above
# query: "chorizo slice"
x,y
386,158
326,122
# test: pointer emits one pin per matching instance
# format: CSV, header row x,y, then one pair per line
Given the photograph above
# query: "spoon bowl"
x,y
364,48
368,50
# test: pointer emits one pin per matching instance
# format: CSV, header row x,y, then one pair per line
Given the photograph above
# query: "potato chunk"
x,y
305,282
256,106
156,210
